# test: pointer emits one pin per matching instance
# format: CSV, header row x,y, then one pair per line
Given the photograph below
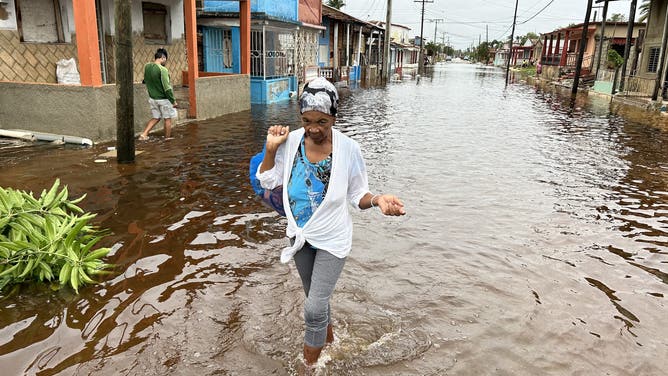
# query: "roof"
x,y
336,14
596,25
381,24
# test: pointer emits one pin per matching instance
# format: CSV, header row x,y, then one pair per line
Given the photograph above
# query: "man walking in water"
x,y
161,95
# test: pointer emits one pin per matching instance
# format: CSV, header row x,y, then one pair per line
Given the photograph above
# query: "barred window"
x,y
653,59
272,52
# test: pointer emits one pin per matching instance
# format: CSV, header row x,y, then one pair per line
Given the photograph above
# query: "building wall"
x,y
88,112
324,59
144,53
36,62
144,50
283,9
310,11
220,95
31,62
653,34
399,34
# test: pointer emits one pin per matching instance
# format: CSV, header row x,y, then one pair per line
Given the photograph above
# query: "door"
x,y
217,50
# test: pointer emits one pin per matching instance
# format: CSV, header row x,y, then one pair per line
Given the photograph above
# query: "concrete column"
x,y
564,52
347,54
191,51
245,31
88,45
359,47
556,47
336,45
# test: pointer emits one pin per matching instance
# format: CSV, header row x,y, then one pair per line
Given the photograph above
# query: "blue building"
x,y
274,29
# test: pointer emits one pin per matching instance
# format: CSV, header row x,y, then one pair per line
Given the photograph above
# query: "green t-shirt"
x,y
156,78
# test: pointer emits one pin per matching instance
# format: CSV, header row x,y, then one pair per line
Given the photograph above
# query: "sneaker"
x,y
142,137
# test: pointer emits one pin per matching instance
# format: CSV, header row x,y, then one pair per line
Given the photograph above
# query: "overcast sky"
x,y
465,20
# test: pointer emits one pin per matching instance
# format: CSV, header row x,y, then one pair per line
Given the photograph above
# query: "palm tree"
x,y
644,11
338,4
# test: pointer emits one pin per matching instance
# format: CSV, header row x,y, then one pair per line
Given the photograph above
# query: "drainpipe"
x,y
629,35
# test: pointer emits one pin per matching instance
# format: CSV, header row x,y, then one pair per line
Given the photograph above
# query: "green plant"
x,y
46,238
615,60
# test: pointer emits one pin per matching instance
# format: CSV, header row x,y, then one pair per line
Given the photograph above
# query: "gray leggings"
x,y
319,271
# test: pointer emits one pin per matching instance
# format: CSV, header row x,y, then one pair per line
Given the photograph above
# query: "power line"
x,y
539,12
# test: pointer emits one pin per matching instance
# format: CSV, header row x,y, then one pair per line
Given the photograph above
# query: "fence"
x,y
272,52
638,87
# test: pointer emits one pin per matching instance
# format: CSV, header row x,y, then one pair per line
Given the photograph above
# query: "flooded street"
x,y
536,243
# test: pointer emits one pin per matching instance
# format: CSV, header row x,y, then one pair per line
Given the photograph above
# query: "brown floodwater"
x,y
536,243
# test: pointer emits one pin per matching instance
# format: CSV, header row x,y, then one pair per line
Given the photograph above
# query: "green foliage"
x,y
644,10
615,60
47,238
617,17
481,53
337,4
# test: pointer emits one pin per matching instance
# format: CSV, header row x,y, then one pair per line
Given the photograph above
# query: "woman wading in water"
x,y
321,171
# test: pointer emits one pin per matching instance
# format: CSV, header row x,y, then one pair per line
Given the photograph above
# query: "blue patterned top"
x,y
308,185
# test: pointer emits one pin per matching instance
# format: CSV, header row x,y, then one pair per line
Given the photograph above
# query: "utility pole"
x,y
600,43
487,33
583,43
386,47
629,35
512,37
125,116
436,21
421,54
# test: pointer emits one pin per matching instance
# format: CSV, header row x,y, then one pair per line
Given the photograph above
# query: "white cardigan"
x,y
330,228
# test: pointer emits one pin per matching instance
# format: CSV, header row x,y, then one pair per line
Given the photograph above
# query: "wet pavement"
x,y
536,242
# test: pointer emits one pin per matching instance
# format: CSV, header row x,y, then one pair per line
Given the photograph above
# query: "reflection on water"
x,y
536,242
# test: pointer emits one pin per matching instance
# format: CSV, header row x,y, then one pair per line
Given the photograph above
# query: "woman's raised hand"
x,y
390,205
276,135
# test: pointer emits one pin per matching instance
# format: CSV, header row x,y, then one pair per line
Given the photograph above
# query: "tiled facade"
x,y
36,62
31,62
143,53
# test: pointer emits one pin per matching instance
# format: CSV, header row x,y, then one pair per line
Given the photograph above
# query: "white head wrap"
x,y
319,95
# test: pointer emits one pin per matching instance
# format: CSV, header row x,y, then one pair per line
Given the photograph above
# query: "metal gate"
x,y
217,49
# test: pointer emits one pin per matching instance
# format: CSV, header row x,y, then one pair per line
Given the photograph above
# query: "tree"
x,y
481,53
432,48
338,4
644,11
529,36
617,17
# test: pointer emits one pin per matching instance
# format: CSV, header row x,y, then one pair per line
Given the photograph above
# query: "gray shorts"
x,y
162,109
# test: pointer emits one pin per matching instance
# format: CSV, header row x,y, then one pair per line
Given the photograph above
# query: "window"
x,y
155,22
40,21
653,59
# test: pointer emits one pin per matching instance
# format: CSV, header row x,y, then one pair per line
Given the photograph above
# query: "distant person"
x,y
161,95
322,172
